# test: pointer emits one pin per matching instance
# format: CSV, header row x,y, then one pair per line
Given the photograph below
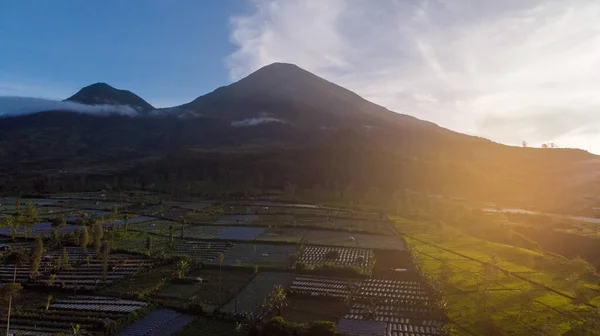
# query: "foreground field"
x,y
499,289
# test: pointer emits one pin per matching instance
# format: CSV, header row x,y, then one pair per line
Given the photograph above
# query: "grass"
x,y
519,307
206,327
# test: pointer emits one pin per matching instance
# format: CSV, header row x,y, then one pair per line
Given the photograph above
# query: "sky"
x,y
508,70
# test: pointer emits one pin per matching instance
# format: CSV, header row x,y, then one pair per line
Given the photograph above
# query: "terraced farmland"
x,y
252,296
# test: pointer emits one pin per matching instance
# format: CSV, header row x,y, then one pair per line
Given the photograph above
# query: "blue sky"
x,y
509,70
168,52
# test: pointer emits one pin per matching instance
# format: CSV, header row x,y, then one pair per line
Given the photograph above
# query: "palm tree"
x,y
12,289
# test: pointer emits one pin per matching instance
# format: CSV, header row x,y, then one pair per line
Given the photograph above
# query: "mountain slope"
x,y
104,94
279,126
291,94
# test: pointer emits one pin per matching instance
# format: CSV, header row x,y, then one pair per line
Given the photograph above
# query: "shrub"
x,y
322,328
332,255
277,326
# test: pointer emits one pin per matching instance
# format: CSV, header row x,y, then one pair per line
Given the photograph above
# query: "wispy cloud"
x,y
24,105
508,70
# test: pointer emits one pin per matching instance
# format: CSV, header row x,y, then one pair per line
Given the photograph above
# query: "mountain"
x,y
104,94
289,94
282,126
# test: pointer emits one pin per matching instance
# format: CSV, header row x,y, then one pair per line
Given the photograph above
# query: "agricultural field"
x,y
216,289
532,287
159,227
200,251
90,274
208,327
320,286
240,233
337,238
94,315
236,220
202,231
192,206
350,225
49,262
221,268
314,256
284,235
252,296
258,255
301,309
159,322
141,285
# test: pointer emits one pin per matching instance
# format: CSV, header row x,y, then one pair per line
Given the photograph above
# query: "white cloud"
x,y
25,105
508,70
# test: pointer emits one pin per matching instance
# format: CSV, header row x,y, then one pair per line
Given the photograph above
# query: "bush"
x,y
322,328
332,255
277,326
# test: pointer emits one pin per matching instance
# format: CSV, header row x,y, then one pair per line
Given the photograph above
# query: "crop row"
x,y
341,256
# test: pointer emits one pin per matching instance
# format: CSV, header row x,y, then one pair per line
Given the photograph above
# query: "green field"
x,y
527,291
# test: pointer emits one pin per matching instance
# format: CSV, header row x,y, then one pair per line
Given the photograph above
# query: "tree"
x,y
12,289
98,235
36,256
84,238
171,231
58,222
65,258
545,145
277,300
30,218
149,245
524,144
181,269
